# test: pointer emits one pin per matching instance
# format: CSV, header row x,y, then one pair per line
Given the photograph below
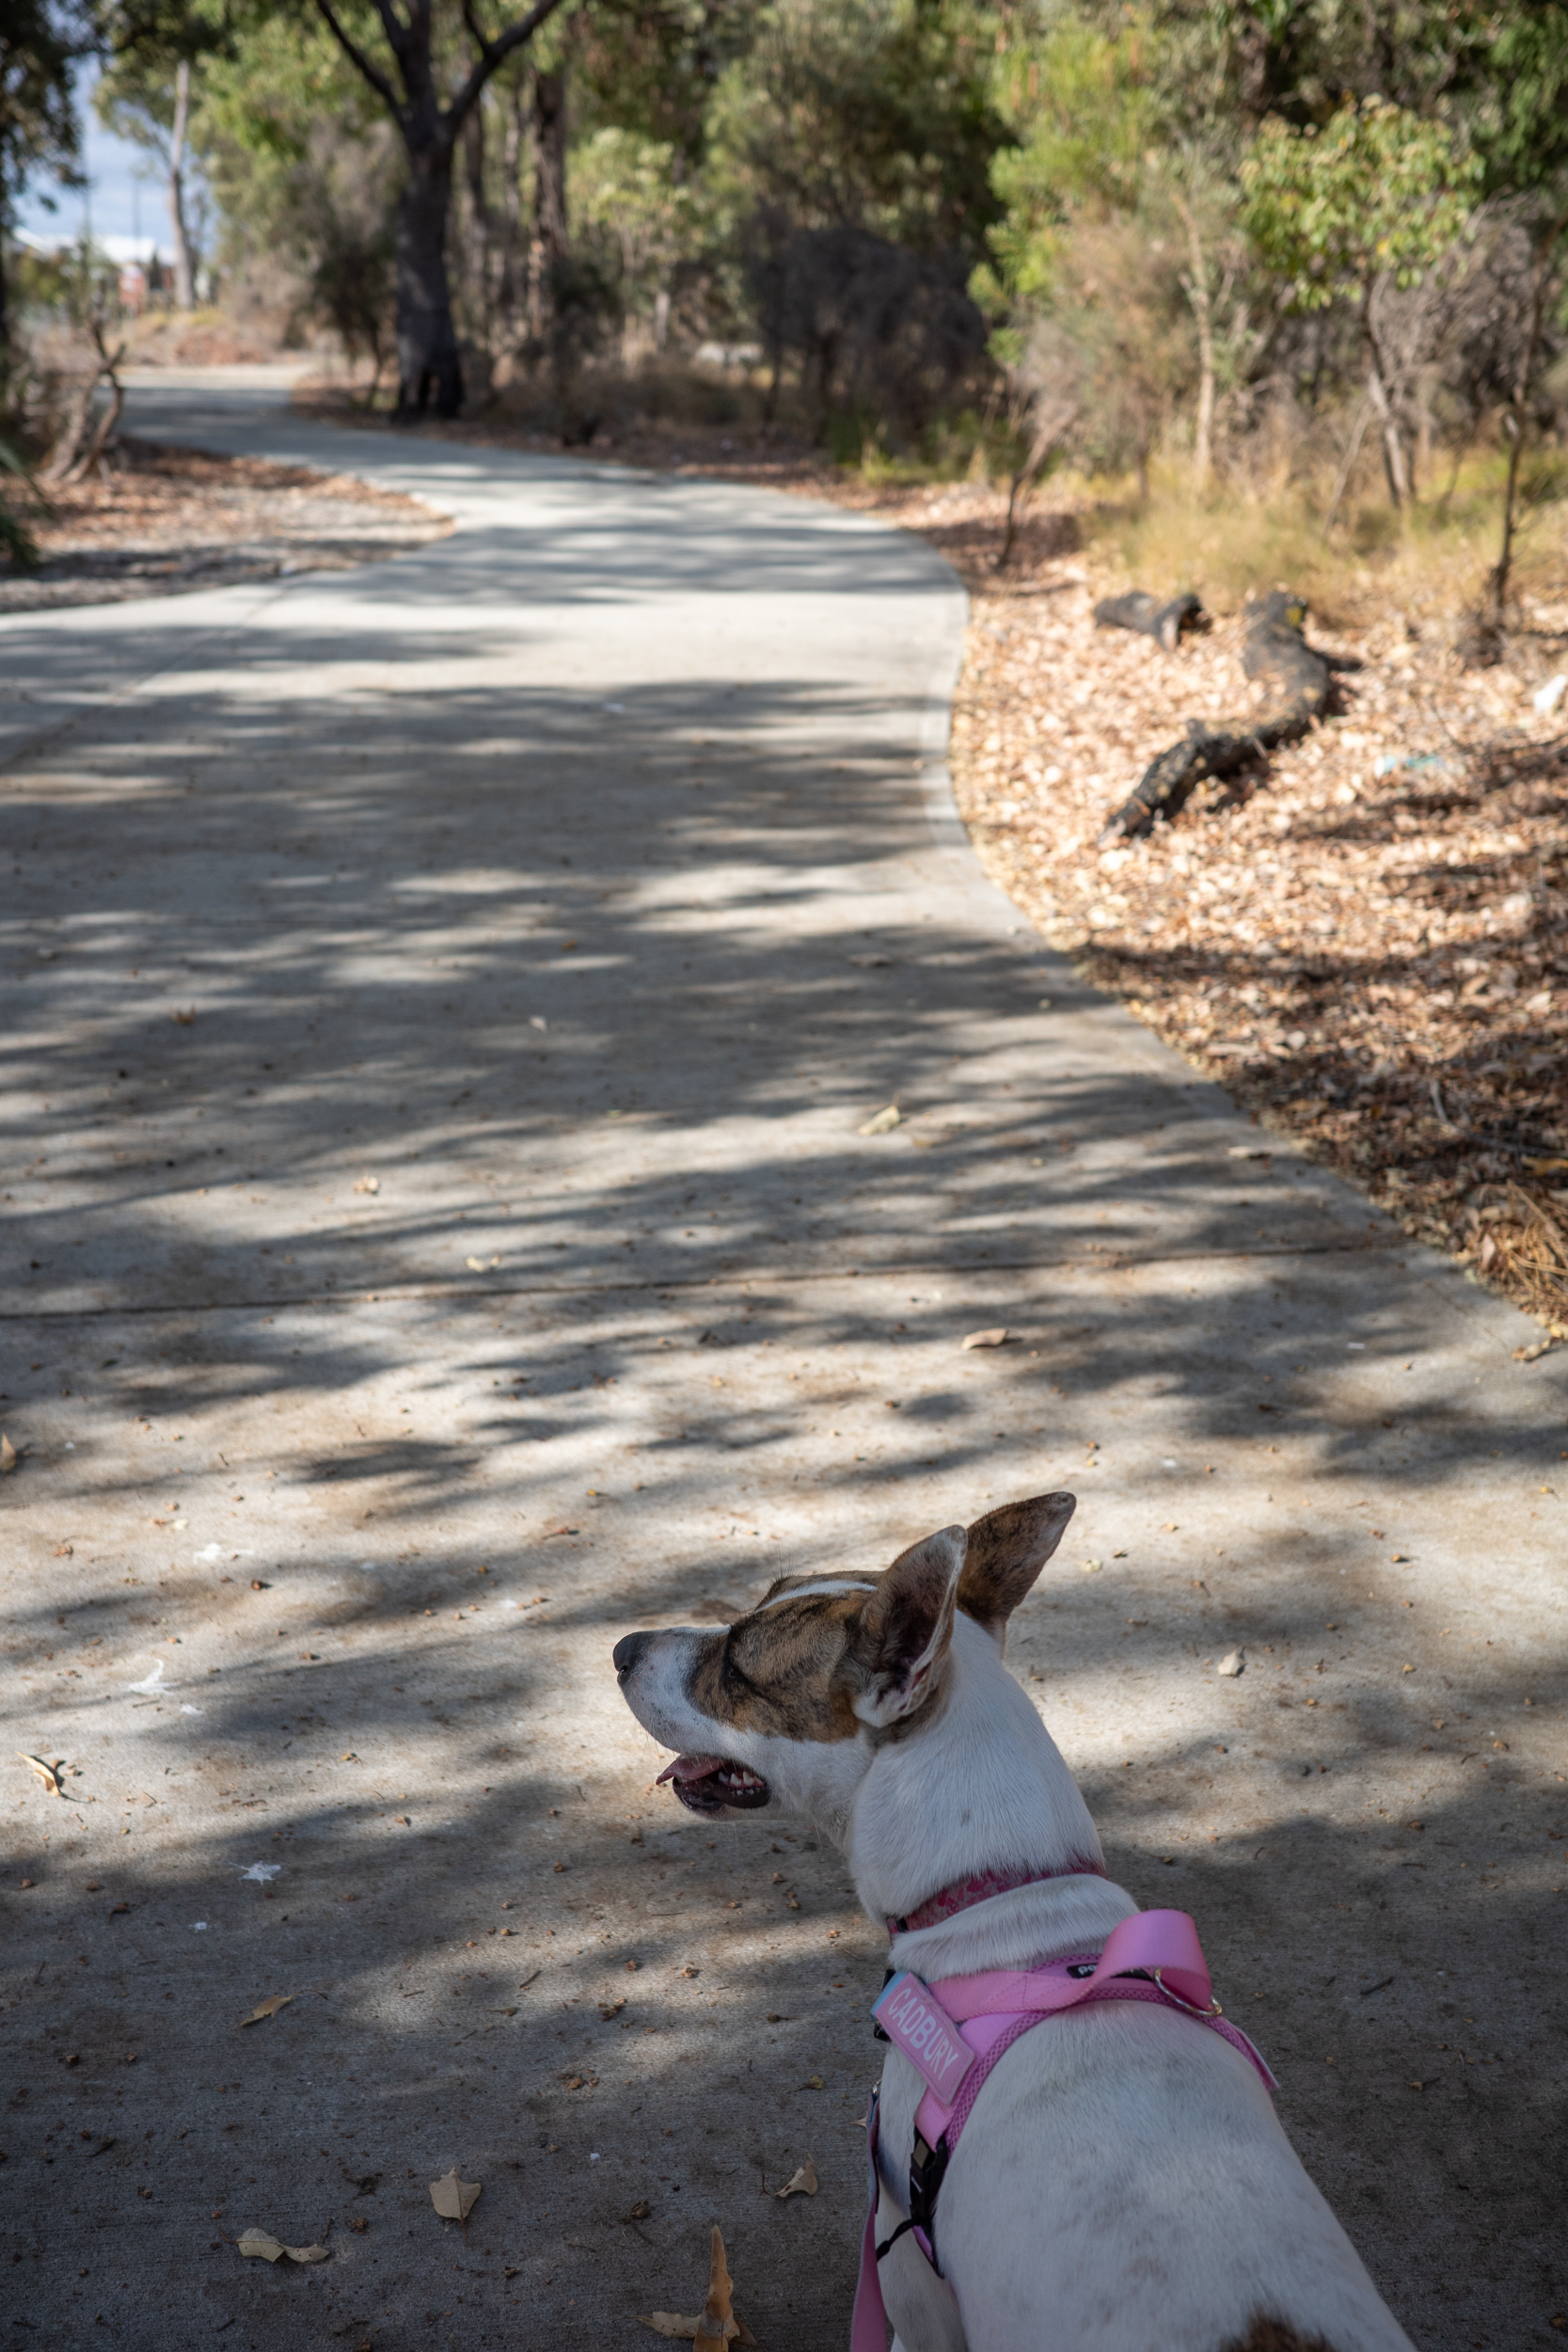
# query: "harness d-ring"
x,y
1191,2009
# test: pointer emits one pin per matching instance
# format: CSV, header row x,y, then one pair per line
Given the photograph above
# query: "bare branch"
x,y
494,53
356,58
401,38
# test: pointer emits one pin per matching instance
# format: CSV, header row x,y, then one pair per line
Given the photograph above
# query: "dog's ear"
x,y
906,1626
1006,1551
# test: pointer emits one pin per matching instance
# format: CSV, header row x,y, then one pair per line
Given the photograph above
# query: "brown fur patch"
x,y
1274,2335
1006,1551
788,1671
795,1667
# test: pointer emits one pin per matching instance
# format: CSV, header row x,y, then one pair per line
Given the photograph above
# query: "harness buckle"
x,y
928,2168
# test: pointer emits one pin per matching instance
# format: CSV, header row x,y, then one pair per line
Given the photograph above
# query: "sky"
x,y
118,203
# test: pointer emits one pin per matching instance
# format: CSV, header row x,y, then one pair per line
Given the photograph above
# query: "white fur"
x,y
827,1588
1123,2183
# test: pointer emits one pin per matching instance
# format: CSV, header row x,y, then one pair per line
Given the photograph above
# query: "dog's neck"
x,y
981,1787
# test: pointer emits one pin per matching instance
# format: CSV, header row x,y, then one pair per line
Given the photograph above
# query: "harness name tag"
x,y
915,2022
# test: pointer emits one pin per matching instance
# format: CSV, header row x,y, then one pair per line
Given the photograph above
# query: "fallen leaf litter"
x,y
1361,941
453,2199
717,2324
256,2242
269,2007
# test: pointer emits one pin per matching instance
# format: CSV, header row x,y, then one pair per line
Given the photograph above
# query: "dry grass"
x,y
1432,564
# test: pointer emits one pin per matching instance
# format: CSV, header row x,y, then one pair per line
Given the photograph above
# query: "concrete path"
x,y
446,1004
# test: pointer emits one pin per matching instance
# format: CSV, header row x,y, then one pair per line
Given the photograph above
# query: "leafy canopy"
x,y
1377,191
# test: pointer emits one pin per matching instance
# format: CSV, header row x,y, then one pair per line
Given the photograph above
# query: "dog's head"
x,y
790,1704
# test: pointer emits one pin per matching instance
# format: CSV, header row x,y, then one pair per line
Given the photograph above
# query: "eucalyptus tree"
x,y
429,64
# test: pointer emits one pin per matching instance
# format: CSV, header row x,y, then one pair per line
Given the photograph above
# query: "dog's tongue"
x,y
689,1768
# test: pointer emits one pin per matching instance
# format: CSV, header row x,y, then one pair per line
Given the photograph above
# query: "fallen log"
x,y
1297,681
1144,613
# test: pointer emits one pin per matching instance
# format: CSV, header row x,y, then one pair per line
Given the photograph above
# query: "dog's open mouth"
x,y
711,1784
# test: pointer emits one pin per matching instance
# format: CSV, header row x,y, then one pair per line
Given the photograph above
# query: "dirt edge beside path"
x,y
168,519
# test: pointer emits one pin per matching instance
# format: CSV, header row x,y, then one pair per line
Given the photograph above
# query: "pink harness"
x,y
954,2040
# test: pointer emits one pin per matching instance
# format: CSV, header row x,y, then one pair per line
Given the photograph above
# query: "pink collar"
x,y
964,1893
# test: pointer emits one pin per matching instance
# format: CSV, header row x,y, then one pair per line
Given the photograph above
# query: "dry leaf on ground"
x,y
1361,941
717,2323
8,1458
257,2241
453,2199
671,2324
269,2007
802,2184
48,1774
883,1124
998,1338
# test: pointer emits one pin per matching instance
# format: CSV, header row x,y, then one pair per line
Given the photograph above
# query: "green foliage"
x,y
294,145
871,112
1081,112
16,540
627,191
1378,191
41,42
651,70
134,97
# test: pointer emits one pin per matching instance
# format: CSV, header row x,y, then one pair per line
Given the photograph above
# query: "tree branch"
x,y
365,65
494,53
401,38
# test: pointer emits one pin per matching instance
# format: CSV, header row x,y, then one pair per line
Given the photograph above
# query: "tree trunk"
x,y
185,269
1393,447
508,289
430,373
479,239
1519,414
1196,288
1383,408
550,196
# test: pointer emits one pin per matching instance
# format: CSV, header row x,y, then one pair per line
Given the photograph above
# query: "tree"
x,y
875,115
627,191
1371,201
146,97
435,78
42,43
1523,139
1119,237
303,166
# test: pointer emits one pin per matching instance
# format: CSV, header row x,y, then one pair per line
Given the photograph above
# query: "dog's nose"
x,y
627,1650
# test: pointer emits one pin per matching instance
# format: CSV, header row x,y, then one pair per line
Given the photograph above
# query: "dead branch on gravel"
x,y
85,441
1298,682
1519,1236
1148,617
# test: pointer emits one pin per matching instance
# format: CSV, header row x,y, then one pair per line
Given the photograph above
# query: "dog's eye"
x,y
731,1667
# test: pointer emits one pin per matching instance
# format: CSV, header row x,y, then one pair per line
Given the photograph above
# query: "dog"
x,y
1121,2184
